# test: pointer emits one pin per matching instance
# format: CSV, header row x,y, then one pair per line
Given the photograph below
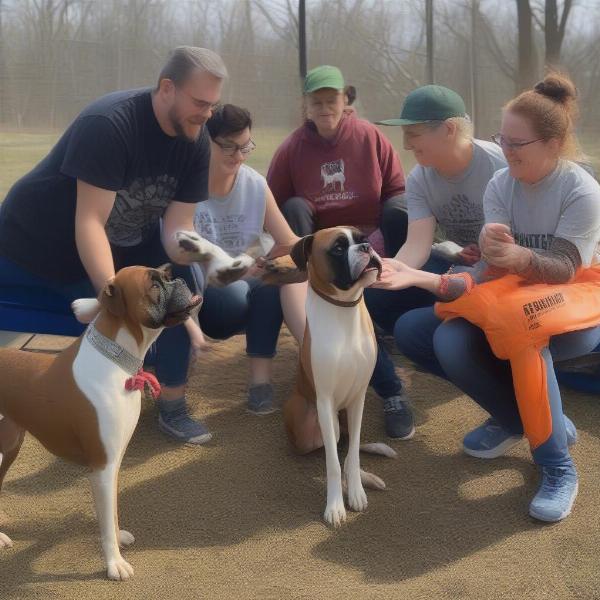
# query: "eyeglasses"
x,y
504,143
202,105
229,148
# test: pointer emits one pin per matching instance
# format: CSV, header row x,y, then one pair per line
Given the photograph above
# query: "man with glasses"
x,y
95,204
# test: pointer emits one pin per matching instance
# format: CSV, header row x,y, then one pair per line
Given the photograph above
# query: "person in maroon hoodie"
x,y
337,169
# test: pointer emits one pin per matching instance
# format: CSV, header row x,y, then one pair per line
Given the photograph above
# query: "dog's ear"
x,y
111,299
166,270
301,251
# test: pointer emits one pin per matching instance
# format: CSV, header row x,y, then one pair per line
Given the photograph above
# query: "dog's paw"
x,y
125,538
5,541
335,512
282,270
236,269
119,569
191,243
357,499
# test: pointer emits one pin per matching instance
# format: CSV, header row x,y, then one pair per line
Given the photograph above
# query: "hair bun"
x,y
557,87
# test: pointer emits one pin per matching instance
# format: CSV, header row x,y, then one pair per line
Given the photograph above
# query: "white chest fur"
x,y
343,349
103,383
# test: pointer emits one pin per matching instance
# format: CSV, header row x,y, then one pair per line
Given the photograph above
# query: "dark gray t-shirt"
x,y
457,202
116,144
565,204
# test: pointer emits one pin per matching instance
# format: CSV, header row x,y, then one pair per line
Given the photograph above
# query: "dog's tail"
x,y
85,309
379,448
370,480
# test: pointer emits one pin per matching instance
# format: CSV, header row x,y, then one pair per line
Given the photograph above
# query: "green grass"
x,y
19,152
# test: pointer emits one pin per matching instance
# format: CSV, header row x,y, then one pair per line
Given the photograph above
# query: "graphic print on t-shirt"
x,y
537,241
227,231
332,173
333,180
462,219
138,209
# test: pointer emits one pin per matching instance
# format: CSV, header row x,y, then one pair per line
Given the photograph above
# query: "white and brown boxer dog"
x,y
84,403
337,357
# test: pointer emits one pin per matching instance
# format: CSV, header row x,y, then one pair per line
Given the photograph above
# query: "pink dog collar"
x,y
139,381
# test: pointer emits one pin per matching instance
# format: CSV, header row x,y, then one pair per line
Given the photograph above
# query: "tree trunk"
x,y
554,30
527,71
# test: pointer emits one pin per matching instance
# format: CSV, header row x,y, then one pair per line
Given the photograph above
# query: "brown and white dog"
x,y
84,403
337,357
220,269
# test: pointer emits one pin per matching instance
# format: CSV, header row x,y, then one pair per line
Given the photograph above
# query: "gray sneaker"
x,y
260,399
398,417
178,424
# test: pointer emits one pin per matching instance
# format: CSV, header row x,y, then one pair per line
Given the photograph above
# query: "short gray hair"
x,y
464,126
184,59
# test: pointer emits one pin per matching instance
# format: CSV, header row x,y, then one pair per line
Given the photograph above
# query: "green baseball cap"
x,y
429,103
321,77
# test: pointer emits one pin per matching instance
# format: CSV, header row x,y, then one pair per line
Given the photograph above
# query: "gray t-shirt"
x,y
457,202
565,204
235,222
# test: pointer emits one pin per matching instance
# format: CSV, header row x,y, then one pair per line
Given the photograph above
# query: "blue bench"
x,y
29,321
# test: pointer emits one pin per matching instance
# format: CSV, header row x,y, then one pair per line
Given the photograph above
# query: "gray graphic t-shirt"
x,y
235,222
457,202
565,204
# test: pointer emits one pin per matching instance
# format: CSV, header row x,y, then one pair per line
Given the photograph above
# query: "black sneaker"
x,y
398,418
261,399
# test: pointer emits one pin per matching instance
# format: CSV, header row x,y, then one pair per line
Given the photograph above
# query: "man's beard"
x,y
175,122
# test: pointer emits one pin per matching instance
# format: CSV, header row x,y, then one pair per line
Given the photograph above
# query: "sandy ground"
x,y
242,516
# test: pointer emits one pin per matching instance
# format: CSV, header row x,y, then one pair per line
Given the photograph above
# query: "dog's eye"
x,y
338,249
155,286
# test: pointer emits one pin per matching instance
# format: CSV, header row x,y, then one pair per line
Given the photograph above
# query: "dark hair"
x,y
228,119
551,107
350,92
184,59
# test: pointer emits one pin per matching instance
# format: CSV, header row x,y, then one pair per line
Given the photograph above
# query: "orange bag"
x,y
518,320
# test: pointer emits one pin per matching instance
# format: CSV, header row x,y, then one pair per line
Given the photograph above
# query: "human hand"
x,y
395,275
469,255
498,248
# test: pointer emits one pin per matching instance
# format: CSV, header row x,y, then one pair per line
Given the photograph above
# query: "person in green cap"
x,y
338,169
445,189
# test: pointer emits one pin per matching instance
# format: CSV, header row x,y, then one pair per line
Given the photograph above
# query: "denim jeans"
x,y
459,351
385,307
245,305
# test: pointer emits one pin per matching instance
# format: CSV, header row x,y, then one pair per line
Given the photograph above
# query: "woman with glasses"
x,y
444,190
239,210
543,223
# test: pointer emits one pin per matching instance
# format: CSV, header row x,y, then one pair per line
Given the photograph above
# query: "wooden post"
x,y
302,38
429,28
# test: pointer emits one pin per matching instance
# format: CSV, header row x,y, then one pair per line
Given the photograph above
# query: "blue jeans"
x,y
25,293
385,308
245,305
459,351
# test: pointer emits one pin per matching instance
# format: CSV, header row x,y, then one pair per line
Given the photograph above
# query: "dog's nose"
x,y
365,247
